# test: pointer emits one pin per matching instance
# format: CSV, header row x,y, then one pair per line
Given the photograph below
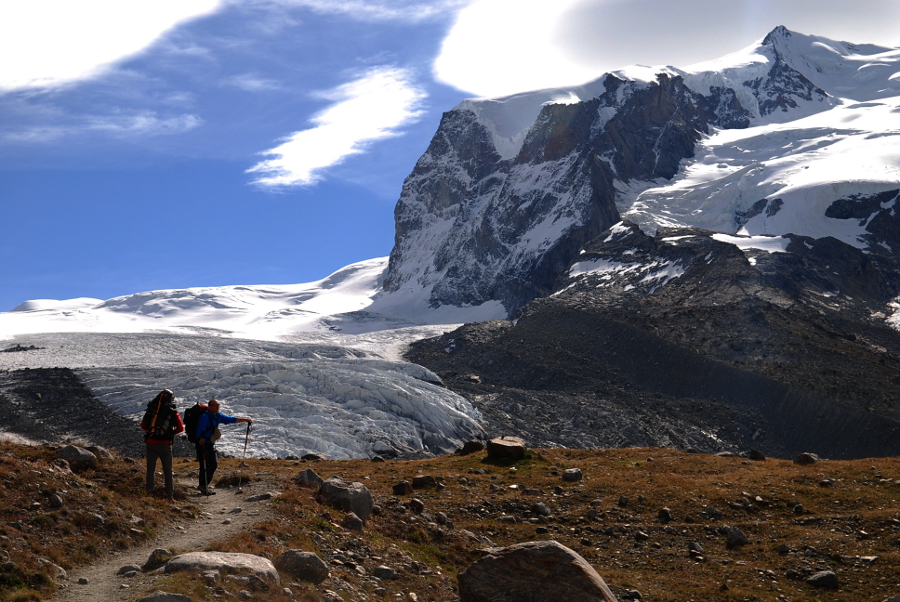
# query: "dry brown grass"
x,y
103,510
846,522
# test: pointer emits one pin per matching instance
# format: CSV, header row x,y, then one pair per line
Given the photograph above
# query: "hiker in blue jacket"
x,y
207,434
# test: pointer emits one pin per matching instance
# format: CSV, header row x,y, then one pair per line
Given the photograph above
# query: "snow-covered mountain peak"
x,y
843,70
783,76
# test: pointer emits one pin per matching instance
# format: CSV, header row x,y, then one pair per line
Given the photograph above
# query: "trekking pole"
x,y
240,474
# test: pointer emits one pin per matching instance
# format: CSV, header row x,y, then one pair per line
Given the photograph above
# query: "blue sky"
x,y
170,144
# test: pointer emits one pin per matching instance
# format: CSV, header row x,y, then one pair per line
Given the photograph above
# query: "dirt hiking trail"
x,y
223,514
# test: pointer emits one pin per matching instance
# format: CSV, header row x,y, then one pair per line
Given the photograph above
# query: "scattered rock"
x,y
734,538
385,572
313,458
756,456
349,497
261,497
56,572
417,505
352,522
210,578
158,557
160,596
309,478
422,481
78,457
664,515
572,474
128,568
402,488
305,566
506,448
824,579
806,458
541,509
378,459
471,447
532,572
100,452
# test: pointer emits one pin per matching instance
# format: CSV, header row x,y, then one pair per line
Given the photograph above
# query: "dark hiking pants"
x,y
163,451
206,456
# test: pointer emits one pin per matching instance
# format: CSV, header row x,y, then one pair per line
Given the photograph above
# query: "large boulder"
x,y
533,571
506,448
305,566
226,562
77,457
349,497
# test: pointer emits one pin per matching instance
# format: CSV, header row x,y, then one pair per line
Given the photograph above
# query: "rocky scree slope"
x,y
728,356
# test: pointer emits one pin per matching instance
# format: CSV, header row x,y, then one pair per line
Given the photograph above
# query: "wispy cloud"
x,y
144,123
382,10
250,82
370,108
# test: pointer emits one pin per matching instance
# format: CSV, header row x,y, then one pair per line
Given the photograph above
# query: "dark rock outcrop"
x,y
562,178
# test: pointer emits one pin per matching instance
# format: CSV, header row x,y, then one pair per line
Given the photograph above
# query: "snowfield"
x,y
269,352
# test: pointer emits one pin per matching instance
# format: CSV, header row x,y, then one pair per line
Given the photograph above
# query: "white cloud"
x,y
500,47
45,43
370,108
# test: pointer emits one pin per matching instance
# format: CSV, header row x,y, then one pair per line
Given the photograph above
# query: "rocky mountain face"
x,y
475,226
771,332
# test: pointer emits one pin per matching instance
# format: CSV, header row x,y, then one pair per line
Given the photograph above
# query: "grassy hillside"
x,y
847,521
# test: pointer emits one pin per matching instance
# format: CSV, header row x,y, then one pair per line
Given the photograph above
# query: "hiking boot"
x,y
207,492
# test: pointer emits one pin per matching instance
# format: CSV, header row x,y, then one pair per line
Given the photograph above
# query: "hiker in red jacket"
x,y
161,423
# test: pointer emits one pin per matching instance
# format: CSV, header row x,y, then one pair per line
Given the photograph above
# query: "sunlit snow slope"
x,y
277,353
805,157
